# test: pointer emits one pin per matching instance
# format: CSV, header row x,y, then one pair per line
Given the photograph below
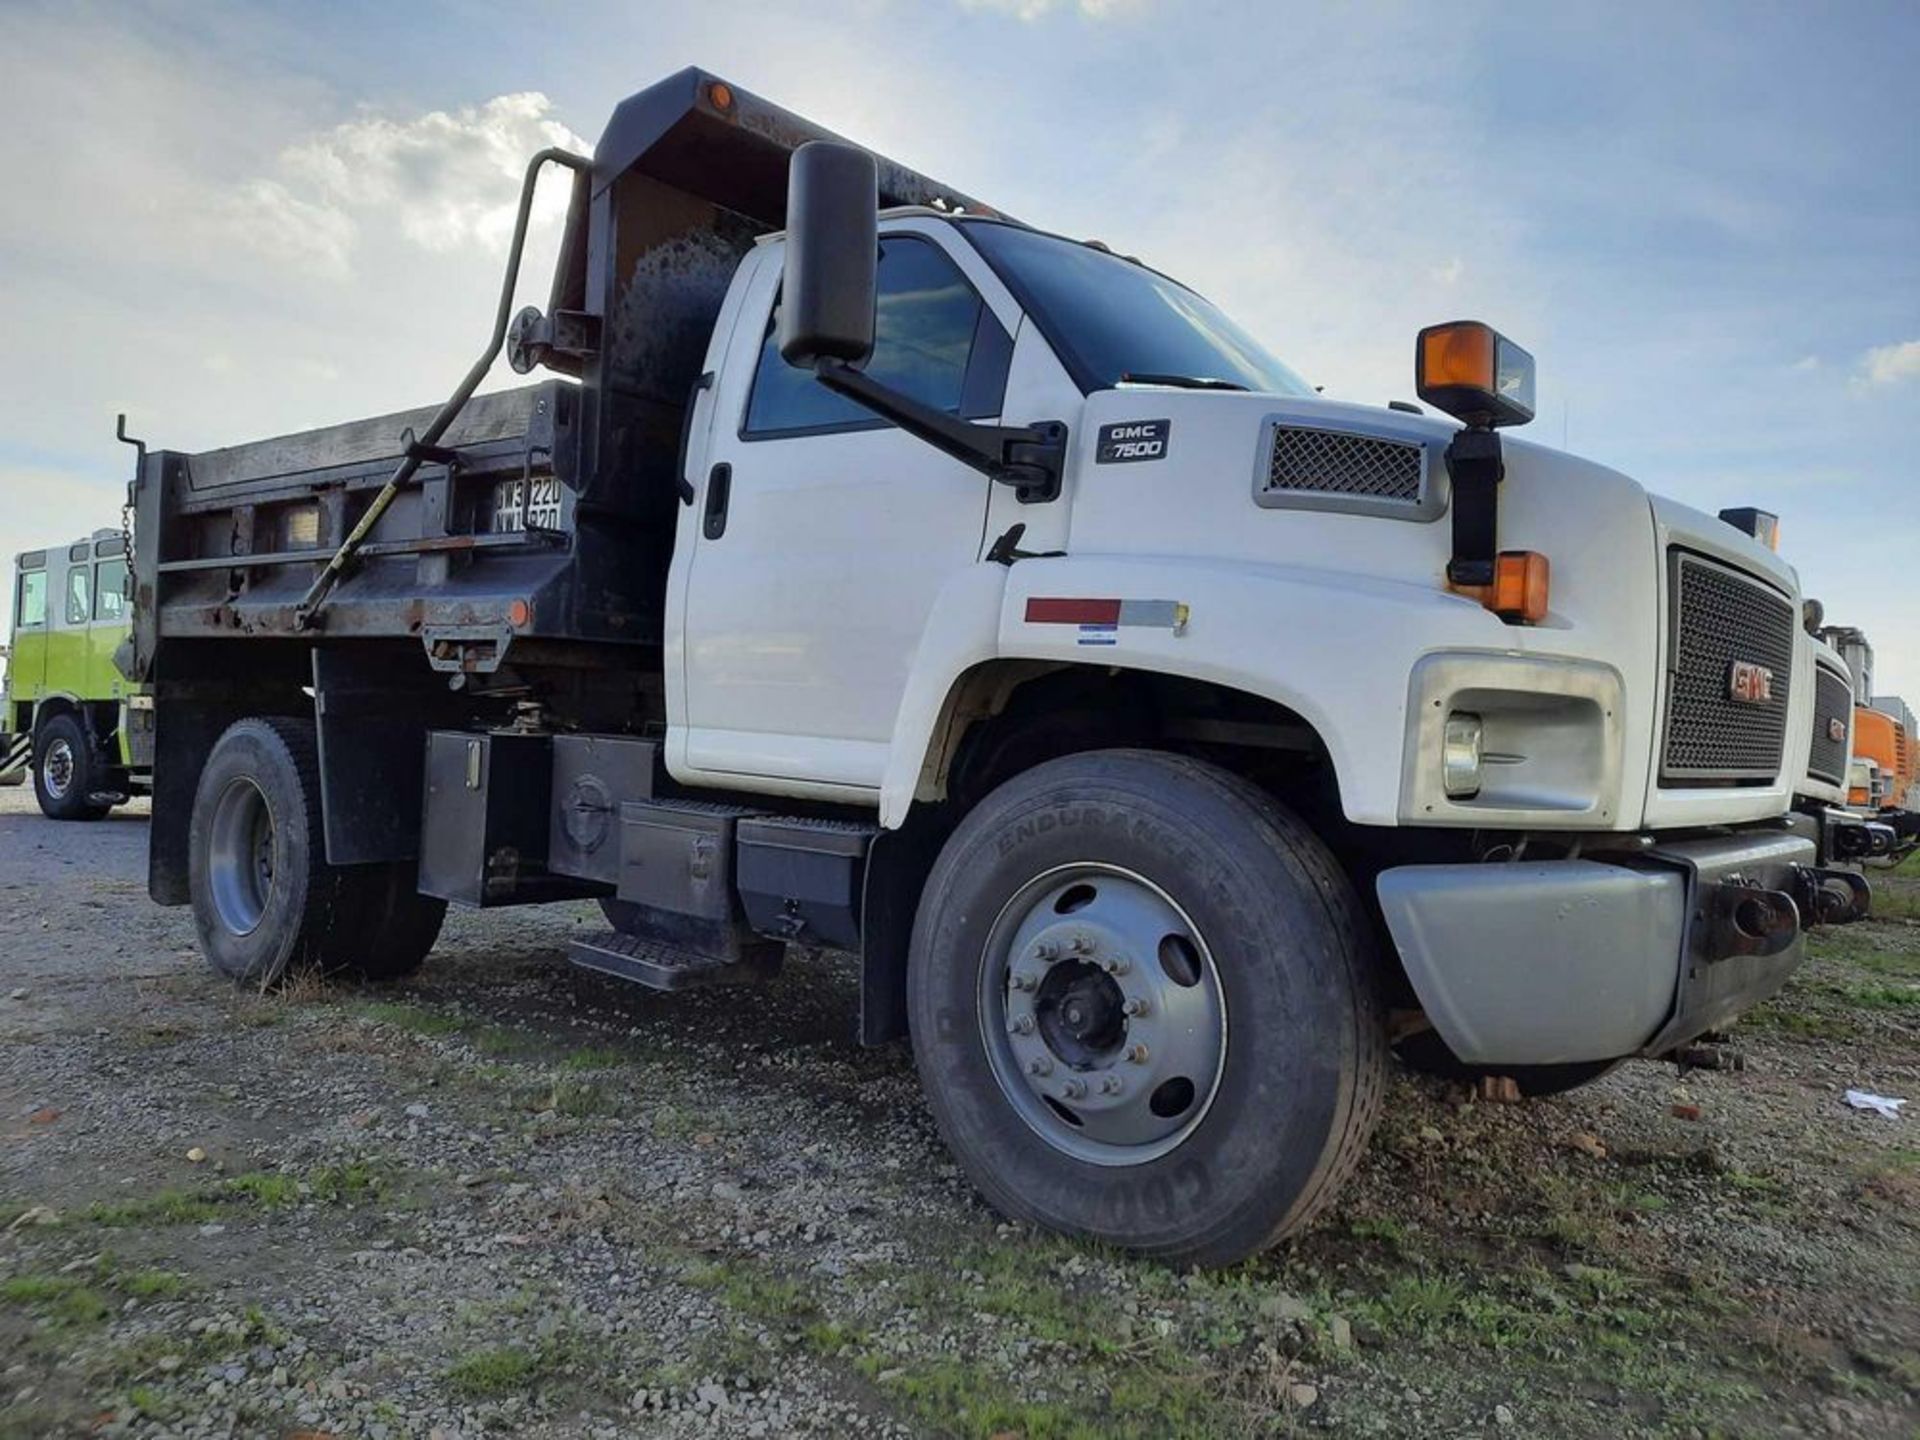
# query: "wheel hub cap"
x,y
57,769
240,856
1102,1014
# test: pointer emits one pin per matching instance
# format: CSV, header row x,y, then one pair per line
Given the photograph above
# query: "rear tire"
x,y
265,901
395,925
1224,930
65,772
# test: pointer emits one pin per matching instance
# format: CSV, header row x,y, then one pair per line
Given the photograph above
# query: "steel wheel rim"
x,y
56,770
1102,1014
240,856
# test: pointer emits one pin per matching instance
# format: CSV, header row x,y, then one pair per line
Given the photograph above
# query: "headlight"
x,y
1460,756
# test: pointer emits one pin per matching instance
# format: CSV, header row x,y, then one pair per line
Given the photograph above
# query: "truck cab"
x,y
67,714
885,574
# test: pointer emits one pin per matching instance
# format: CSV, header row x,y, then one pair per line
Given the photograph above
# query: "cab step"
x,y
659,966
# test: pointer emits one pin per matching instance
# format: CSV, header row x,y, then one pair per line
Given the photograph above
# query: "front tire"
x,y
265,901
65,774
1144,1009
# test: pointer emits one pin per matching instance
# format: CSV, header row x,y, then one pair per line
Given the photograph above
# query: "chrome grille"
x,y
1332,462
1832,700
1722,618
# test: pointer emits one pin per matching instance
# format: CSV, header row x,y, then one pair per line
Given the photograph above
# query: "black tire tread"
x,y
75,805
1363,1068
1299,847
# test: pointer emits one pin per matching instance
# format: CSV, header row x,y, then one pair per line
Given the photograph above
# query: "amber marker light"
x,y
1474,373
721,94
1521,588
1520,585
518,614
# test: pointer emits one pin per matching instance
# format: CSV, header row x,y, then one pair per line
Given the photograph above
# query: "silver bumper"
x,y
1556,961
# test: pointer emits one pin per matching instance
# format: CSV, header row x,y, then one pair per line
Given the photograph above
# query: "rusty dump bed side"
x,y
547,512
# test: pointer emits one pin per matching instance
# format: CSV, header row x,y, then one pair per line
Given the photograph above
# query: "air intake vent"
x,y
1332,462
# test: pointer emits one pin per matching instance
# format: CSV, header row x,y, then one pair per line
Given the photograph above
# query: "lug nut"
x,y
1040,1065
1111,1084
1134,1006
1022,980
1022,1025
1116,965
1082,945
1137,1053
1046,952
1073,1089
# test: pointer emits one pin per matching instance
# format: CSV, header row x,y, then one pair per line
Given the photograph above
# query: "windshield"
x,y
1111,318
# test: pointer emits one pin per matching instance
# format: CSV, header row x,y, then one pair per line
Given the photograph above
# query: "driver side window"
x,y
934,339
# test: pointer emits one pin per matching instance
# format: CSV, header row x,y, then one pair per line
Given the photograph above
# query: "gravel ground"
x,y
492,1202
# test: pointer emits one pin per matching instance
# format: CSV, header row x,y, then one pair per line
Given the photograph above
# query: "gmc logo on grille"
x,y
1749,684
1836,730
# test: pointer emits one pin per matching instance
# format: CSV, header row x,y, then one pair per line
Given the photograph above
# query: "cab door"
x,y
821,535
108,625
27,655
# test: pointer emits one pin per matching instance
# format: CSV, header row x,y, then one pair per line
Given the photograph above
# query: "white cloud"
x,y
1891,364
446,180
1030,10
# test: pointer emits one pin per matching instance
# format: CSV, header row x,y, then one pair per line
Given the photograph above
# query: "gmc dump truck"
x,y
878,573
66,713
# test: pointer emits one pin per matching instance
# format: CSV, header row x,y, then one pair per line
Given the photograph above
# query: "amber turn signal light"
x,y
1474,374
1520,582
1519,593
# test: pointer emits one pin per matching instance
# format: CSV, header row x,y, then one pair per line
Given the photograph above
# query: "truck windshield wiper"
x,y
1184,382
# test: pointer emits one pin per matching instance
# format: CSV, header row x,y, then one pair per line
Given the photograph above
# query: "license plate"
x,y
526,504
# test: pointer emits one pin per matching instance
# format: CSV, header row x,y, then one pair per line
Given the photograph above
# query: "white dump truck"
x,y
879,573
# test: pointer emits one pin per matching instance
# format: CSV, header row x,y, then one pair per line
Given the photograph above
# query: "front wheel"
x,y
1143,1007
64,773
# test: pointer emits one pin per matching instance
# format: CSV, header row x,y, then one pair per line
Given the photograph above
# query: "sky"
x,y
232,221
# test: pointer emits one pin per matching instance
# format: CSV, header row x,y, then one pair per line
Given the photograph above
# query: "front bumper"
x,y
1557,961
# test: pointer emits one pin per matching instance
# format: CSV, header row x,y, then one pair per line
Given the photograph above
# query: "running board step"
x,y
666,967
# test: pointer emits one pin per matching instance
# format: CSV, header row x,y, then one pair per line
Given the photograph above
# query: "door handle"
x,y
719,484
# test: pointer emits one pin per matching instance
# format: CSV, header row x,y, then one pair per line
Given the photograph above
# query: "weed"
x,y
490,1373
593,1057
414,1019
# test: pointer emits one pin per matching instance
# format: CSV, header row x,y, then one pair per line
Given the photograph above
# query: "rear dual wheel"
x,y
1143,1007
266,903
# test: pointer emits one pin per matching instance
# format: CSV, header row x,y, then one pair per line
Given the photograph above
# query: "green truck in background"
x,y
67,713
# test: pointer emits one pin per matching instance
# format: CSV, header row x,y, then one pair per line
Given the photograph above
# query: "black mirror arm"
x,y
1031,458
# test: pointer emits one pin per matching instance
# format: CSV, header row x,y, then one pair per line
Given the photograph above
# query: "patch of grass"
x,y
500,1370
577,1098
1787,1018
1881,997
593,1057
503,1042
269,1189
163,1207
414,1019
153,1284
62,1302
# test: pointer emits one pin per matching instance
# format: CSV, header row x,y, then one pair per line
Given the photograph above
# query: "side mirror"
x,y
833,244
